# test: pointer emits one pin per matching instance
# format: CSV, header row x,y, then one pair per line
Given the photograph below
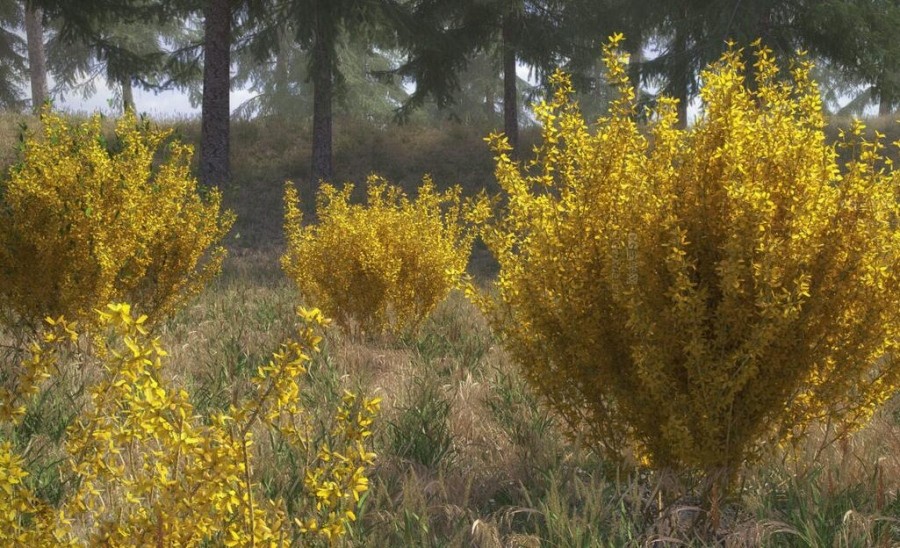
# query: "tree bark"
x,y
281,68
37,61
635,58
216,114
680,76
885,103
489,102
885,106
323,92
510,89
127,95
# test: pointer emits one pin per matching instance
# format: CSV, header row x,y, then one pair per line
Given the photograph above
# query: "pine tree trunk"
x,y
635,58
323,91
37,61
281,68
510,91
489,101
215,125
127,96
680,76
885,104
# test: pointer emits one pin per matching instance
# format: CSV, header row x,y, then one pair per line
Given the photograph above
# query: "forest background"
x,y
327,87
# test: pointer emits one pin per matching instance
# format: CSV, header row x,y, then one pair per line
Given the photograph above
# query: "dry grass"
x,y
468,457
11,124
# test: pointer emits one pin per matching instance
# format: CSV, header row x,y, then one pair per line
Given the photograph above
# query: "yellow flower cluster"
x,y
25,520
25,378
388,262
696,292
81,225
17,504
150,471
337,476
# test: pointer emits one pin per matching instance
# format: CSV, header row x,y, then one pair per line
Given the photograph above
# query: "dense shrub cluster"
x,y
389,261
84,222
147,470
695,292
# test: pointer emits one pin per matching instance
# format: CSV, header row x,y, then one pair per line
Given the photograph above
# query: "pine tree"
x,y
215,139
859,37
320,27
441,39
12,62
37,60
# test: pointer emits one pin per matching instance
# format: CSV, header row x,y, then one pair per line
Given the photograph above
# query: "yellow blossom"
x,y
81,225
386,263
698,292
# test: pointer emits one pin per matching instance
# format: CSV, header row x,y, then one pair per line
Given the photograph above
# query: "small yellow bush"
x,y
390,261
81,225
699,292
148,471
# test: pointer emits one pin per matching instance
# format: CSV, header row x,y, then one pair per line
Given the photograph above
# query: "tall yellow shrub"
x,y
387,262
146,470
693,293
81,225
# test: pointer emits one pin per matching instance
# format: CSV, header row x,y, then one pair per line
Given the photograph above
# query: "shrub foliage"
x,y
84,222
389,261
147,470
693,293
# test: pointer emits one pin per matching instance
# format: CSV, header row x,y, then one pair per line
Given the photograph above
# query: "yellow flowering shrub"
x,y
387,262
81,225
24,521
149,471
695,293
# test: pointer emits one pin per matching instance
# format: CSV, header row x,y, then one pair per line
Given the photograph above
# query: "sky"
x,y
165,104
175,104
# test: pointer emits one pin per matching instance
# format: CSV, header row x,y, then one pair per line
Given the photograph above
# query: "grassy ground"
x,y
466,455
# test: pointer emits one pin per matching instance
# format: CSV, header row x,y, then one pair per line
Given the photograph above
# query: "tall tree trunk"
x,y
489,102
37,61
885,105
281,66
680,77
510,89
127,95
885,99
215,125
323,92
635,58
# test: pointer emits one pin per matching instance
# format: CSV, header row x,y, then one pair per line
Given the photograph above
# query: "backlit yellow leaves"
x,y
81,225
148,470
694,293
386,263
